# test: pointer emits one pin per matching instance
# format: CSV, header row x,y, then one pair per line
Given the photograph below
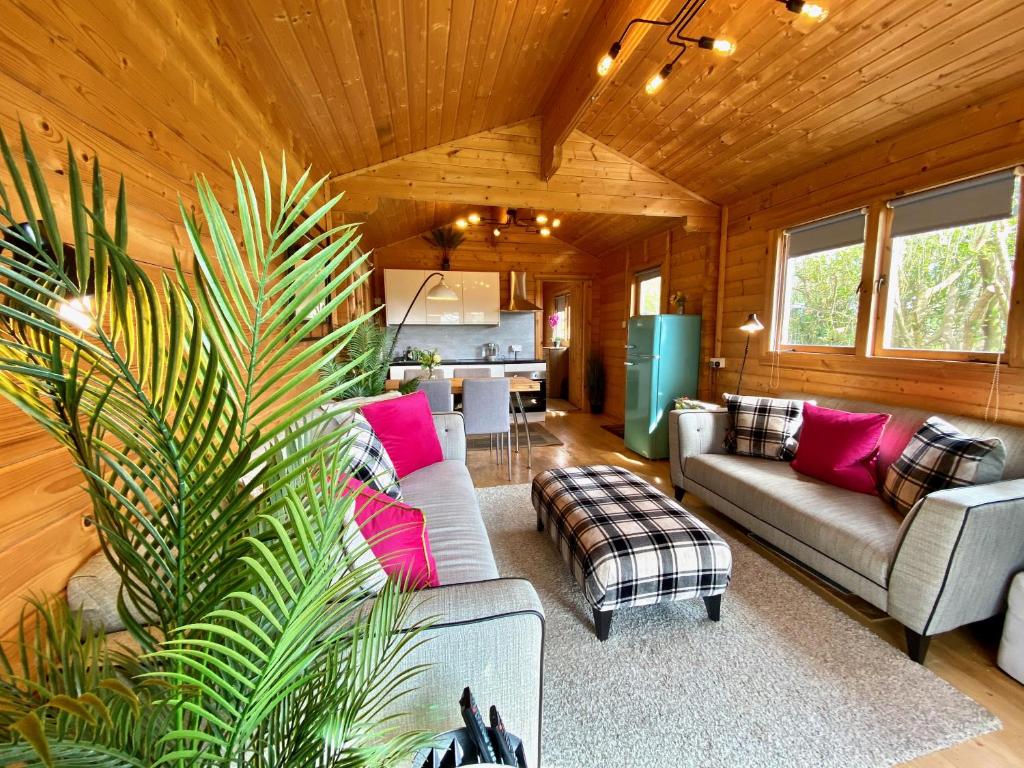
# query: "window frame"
x,y
874,293
778,305
641,276
883,286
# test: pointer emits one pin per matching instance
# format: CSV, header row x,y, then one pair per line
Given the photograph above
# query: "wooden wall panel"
x,y
986,136
155,91
689,263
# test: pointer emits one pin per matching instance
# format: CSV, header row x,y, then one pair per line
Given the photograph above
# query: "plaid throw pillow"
x,y
368,461
763,427
939,456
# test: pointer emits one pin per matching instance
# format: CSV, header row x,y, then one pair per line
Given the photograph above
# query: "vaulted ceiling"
x,y
365,82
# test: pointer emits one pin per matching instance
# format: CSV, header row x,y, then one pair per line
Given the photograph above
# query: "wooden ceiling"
x,y
364,82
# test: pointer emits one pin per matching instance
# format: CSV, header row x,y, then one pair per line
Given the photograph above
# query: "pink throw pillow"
x,y
405,426
840,448
397,535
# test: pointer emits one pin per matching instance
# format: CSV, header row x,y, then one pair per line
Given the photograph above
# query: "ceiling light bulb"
x,y
556,222
813,11
724,47
77,312
542,218
658,80
496,232
474,218
604,66
461,223
544,231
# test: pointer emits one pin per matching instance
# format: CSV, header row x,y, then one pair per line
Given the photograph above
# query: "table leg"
x,y
526,428
515,423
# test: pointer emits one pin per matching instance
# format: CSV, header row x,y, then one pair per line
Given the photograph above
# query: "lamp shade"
x,y
442,292
753,325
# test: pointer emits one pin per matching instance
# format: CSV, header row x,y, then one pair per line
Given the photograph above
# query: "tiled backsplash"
x,y
460,341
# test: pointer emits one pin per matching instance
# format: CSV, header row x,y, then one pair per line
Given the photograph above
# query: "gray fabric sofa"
x,y
948,563
486,632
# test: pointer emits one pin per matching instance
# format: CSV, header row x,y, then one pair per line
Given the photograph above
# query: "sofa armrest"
x,y
488,635
957,552
451,431
691,433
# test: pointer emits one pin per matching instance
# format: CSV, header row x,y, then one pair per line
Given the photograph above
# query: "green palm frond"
x,y
212,476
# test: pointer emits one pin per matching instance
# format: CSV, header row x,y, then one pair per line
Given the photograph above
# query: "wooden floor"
x,y
965,657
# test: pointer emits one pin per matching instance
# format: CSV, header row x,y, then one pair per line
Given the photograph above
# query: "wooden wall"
x,y
151,90
689,263
984,137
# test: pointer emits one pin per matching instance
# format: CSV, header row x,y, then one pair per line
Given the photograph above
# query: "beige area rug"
x,y
784,680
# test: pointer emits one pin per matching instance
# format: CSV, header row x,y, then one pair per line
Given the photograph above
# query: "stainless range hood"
x,y
517,301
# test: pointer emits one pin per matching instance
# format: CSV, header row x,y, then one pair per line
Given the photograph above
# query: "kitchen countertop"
x,y
477,361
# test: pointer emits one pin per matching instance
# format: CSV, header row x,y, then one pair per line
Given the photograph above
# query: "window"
x,y
647,292
951,267
821,279
560,328
926,276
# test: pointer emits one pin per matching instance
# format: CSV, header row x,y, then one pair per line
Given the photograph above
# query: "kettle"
x,y
491,351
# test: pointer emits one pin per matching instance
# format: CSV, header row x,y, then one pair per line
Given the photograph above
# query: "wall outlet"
x,y
515,347
717,362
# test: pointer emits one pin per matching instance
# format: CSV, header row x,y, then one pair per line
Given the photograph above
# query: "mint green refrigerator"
x,y
662,363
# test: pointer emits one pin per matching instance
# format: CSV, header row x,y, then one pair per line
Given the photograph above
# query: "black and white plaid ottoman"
x,y
628,543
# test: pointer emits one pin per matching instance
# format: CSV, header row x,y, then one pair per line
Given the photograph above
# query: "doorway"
x,y
565,338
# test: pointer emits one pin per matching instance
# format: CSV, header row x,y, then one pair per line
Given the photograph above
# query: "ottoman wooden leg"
x,y
540,524
679,493
714,606
602,624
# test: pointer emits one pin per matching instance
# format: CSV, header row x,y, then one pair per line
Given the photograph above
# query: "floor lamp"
x,y
752,326
440,292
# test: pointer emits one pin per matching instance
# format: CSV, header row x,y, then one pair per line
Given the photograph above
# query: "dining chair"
x,y
485,407
421,373
439,394
471,373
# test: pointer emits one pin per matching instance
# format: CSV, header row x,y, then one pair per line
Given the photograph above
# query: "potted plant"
x,y
447,239
595,382
214,488
553,323
365,356
428,359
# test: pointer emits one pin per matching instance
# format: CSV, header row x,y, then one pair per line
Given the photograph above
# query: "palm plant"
x,y
367,353
213,485
447,239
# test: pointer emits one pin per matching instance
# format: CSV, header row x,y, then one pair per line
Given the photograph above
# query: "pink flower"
x,y
553,320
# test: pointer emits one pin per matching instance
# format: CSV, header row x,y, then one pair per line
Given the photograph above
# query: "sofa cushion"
x,y
937,457
840,447
763,426
368,459
445,493
855,529
406,428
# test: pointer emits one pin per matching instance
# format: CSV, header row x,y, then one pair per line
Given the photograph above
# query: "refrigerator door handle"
x,y
628,362
629,346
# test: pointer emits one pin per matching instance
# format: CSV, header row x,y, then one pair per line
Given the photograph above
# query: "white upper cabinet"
x,y
400,286
478,294
443,311
480,298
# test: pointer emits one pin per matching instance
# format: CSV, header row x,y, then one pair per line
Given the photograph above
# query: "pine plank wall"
x,y
155,106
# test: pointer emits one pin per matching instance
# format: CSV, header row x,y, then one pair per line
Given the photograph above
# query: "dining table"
x,y
516,386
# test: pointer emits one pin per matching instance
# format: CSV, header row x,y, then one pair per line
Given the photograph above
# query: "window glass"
x,y
560,329
821,280
950,287
648,293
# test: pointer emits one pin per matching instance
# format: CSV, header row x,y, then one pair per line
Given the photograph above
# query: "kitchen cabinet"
x,y
480,298
478,304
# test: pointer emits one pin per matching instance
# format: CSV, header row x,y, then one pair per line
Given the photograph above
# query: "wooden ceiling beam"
x,y
577,84
501,168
